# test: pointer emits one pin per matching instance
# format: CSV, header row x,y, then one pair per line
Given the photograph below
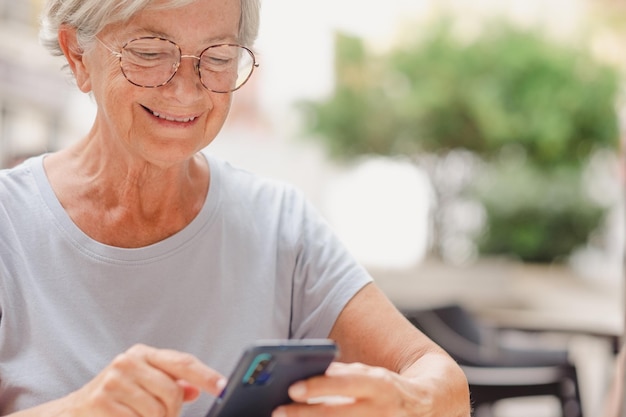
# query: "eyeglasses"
x,y
152,62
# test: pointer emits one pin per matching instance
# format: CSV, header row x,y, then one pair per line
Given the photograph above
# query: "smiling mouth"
x,y
171,118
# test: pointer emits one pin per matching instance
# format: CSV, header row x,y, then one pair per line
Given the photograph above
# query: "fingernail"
x,y
221,383
279,412
297,390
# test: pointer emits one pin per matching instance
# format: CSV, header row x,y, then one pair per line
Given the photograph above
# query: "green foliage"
x,y
437,93
506,87
535,215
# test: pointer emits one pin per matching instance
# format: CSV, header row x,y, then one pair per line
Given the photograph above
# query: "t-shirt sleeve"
x,y
325,276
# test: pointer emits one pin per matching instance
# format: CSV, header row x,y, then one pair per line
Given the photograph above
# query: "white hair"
x,y
90,16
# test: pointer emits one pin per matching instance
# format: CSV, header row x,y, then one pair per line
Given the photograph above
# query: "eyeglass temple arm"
x,y
115,53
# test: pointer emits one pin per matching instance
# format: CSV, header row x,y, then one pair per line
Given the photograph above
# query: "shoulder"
x,y
20,202
240,185
18,180
261,203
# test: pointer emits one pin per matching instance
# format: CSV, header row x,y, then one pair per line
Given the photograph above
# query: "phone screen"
x,y
260,381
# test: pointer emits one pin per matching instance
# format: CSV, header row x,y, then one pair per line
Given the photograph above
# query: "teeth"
x,y
173,119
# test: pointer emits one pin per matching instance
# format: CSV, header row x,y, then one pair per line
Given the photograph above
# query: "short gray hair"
x,y
90,16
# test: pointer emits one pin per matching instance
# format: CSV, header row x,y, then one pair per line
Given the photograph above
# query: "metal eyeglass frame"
x,y
118,54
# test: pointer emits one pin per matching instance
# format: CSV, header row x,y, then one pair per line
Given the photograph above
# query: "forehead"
x,y
199,21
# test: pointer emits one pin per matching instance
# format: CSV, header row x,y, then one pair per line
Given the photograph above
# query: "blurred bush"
x,y
534,214
505,89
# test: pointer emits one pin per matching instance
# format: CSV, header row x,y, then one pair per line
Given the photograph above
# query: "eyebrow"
x,y
209,41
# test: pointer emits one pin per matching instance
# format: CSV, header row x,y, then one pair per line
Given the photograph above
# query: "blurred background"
x,y
468,154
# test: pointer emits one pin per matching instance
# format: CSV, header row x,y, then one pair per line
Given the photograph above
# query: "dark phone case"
x,y
291,361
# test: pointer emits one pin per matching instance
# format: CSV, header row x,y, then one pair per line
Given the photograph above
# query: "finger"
x,y
143,387
357,409
114,392
144,403
185,367
353,381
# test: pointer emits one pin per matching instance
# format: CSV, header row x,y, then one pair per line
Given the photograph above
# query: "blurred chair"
x,y
495,371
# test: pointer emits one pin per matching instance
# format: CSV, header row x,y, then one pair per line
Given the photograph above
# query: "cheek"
x,y
115,106
221,109
113,97
225,103
109,86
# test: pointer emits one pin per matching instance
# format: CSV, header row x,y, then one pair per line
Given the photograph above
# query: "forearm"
x,y
422,379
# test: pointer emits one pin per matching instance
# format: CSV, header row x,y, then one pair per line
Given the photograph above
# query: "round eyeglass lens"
x,y
225,68
150,62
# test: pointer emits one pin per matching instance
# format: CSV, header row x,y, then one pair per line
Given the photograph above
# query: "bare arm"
x,y
392,368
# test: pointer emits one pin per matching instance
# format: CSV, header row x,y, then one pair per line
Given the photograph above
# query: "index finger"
x,y
185,367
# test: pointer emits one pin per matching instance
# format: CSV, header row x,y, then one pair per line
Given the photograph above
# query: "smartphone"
x,y
266,370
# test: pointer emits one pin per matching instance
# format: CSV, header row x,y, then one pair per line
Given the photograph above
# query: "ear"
x,y
75,57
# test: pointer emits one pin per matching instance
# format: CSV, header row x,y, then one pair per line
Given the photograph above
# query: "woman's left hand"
x,y
358,390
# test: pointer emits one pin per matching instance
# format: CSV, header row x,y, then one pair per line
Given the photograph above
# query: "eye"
x,y
212,61
219,58
148,55
150,52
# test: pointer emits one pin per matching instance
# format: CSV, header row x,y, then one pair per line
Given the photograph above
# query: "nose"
x,y
185,86
195,63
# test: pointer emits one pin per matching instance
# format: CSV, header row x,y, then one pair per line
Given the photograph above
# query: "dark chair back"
x,y
494,371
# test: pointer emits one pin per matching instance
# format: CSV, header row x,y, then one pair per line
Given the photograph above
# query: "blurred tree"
x,y
552,103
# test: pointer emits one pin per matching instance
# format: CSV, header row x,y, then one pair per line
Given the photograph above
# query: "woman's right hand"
x,y
143,381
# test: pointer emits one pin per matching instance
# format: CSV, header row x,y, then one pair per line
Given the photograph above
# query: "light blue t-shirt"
x,y
258,262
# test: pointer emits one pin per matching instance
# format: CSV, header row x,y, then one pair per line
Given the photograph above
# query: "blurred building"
x,y
33,89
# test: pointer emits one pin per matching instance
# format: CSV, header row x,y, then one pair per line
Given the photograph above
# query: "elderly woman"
x,y
134,267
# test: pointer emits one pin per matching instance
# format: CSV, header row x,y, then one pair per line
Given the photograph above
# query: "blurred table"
x,y
550,297
587,315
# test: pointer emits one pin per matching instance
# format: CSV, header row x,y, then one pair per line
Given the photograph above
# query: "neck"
x,y
126,201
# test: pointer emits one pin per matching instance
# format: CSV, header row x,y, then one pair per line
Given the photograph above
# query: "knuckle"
x,y
122,362
358,367
110,382
383,376
138,349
